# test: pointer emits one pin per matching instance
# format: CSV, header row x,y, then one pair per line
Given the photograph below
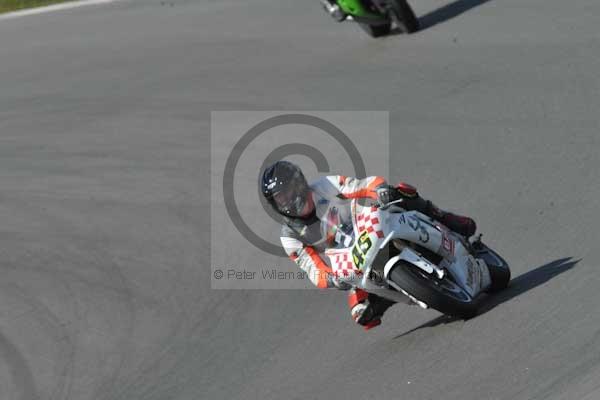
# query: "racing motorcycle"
x,y
375,17
408,257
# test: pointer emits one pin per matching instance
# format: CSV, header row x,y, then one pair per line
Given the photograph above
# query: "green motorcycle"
x,y
376,17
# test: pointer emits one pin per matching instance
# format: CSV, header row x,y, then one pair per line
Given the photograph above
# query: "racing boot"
x,y
411,200
457,223
367,308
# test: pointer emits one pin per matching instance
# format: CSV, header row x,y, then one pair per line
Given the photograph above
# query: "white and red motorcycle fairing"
x,y
428,264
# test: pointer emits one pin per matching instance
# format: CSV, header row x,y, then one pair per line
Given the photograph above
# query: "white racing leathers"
x,y
304,239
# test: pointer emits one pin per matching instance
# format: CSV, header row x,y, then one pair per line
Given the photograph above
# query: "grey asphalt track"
x,y
104,204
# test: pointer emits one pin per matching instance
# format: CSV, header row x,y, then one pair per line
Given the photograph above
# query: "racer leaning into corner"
x,y
302,205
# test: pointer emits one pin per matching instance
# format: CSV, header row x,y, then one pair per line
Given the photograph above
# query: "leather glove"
x,y
385,195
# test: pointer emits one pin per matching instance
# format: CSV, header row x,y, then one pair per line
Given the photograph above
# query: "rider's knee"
x,y
365,309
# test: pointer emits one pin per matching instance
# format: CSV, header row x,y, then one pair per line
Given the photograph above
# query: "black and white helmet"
x,y
285,188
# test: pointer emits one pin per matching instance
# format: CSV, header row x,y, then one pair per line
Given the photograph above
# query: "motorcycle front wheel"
x,y
443,295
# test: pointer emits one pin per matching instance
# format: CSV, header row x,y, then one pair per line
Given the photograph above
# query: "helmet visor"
x,y
291,201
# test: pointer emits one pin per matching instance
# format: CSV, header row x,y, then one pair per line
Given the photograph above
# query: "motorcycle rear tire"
x,y
408,21
432,292
376,31
498,267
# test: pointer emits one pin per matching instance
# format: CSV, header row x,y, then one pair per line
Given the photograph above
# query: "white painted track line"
x,y
52,8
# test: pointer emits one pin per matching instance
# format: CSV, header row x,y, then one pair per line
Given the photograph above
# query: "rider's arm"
x,y
307,258
353,188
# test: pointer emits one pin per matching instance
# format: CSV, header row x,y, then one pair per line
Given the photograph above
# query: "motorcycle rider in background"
x,y
303,205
